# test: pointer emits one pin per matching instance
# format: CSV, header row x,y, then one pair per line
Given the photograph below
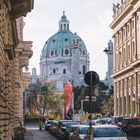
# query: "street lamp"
x,y
91,78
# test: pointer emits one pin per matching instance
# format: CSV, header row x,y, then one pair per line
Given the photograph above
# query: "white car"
x,y
100,132
107,132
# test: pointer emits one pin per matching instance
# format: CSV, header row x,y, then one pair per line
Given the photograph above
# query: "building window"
x,y
54,71
52,53
64,26
55,53
66,51
84,69
66,39
64,71
83,52
62,53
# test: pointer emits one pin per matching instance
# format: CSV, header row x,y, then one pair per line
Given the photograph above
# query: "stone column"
x,y
122,96
136,94
127,96
119,100
115,99
138,91
138,32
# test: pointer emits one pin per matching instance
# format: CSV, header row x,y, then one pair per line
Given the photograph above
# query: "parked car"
x,y
100,132
117,120
48,123
64,125
53,129
102,121
131,125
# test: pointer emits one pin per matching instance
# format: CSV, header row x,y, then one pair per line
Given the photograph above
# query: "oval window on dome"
x,y
52,53
66,51
66,39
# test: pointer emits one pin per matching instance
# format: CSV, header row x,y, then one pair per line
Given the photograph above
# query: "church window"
x,y
64,71
66,51
73,41
53,40
70,52
62,53
84,70
83,52
52,53
55,53
64,26
77,41
61,27
54,71
66,39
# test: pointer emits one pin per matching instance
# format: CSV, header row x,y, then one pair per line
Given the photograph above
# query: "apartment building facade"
x,y
126,73
14,56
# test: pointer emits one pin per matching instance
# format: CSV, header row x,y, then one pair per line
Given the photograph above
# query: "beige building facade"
x,y
14,57
126,74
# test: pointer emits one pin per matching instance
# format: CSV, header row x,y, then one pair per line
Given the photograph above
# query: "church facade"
x,y
64,58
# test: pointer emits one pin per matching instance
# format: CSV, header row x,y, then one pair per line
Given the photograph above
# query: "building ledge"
x,y
20,8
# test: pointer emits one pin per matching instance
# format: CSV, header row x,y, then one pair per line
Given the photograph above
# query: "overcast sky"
x,y
90,19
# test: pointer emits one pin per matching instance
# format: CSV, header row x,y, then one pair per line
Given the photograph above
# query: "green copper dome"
x,y
62,40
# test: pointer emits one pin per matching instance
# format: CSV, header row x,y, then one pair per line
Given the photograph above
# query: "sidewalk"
x,y
38,135
29,135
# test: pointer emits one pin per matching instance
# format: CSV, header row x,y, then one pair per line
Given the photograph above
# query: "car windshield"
x,y
108,132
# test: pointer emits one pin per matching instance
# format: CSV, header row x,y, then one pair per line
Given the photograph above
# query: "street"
x,y
33,133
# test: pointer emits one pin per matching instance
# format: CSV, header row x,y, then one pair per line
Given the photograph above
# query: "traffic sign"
x,y
91,78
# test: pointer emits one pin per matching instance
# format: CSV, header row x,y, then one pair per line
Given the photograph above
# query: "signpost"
x,y
91,79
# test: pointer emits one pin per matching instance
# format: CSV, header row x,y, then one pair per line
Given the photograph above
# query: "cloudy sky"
x,y
90,19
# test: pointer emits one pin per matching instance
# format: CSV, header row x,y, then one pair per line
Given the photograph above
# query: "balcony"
x,y
20,8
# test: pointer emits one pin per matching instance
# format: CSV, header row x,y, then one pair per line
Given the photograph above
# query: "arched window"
x,y
66,51
55,53
73,41
83,52
54,71
84,69
52,53
64,71
64,26
62,53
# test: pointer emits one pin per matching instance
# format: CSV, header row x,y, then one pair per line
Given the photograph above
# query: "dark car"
x,y
117,120
64,128
48,123
131,126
